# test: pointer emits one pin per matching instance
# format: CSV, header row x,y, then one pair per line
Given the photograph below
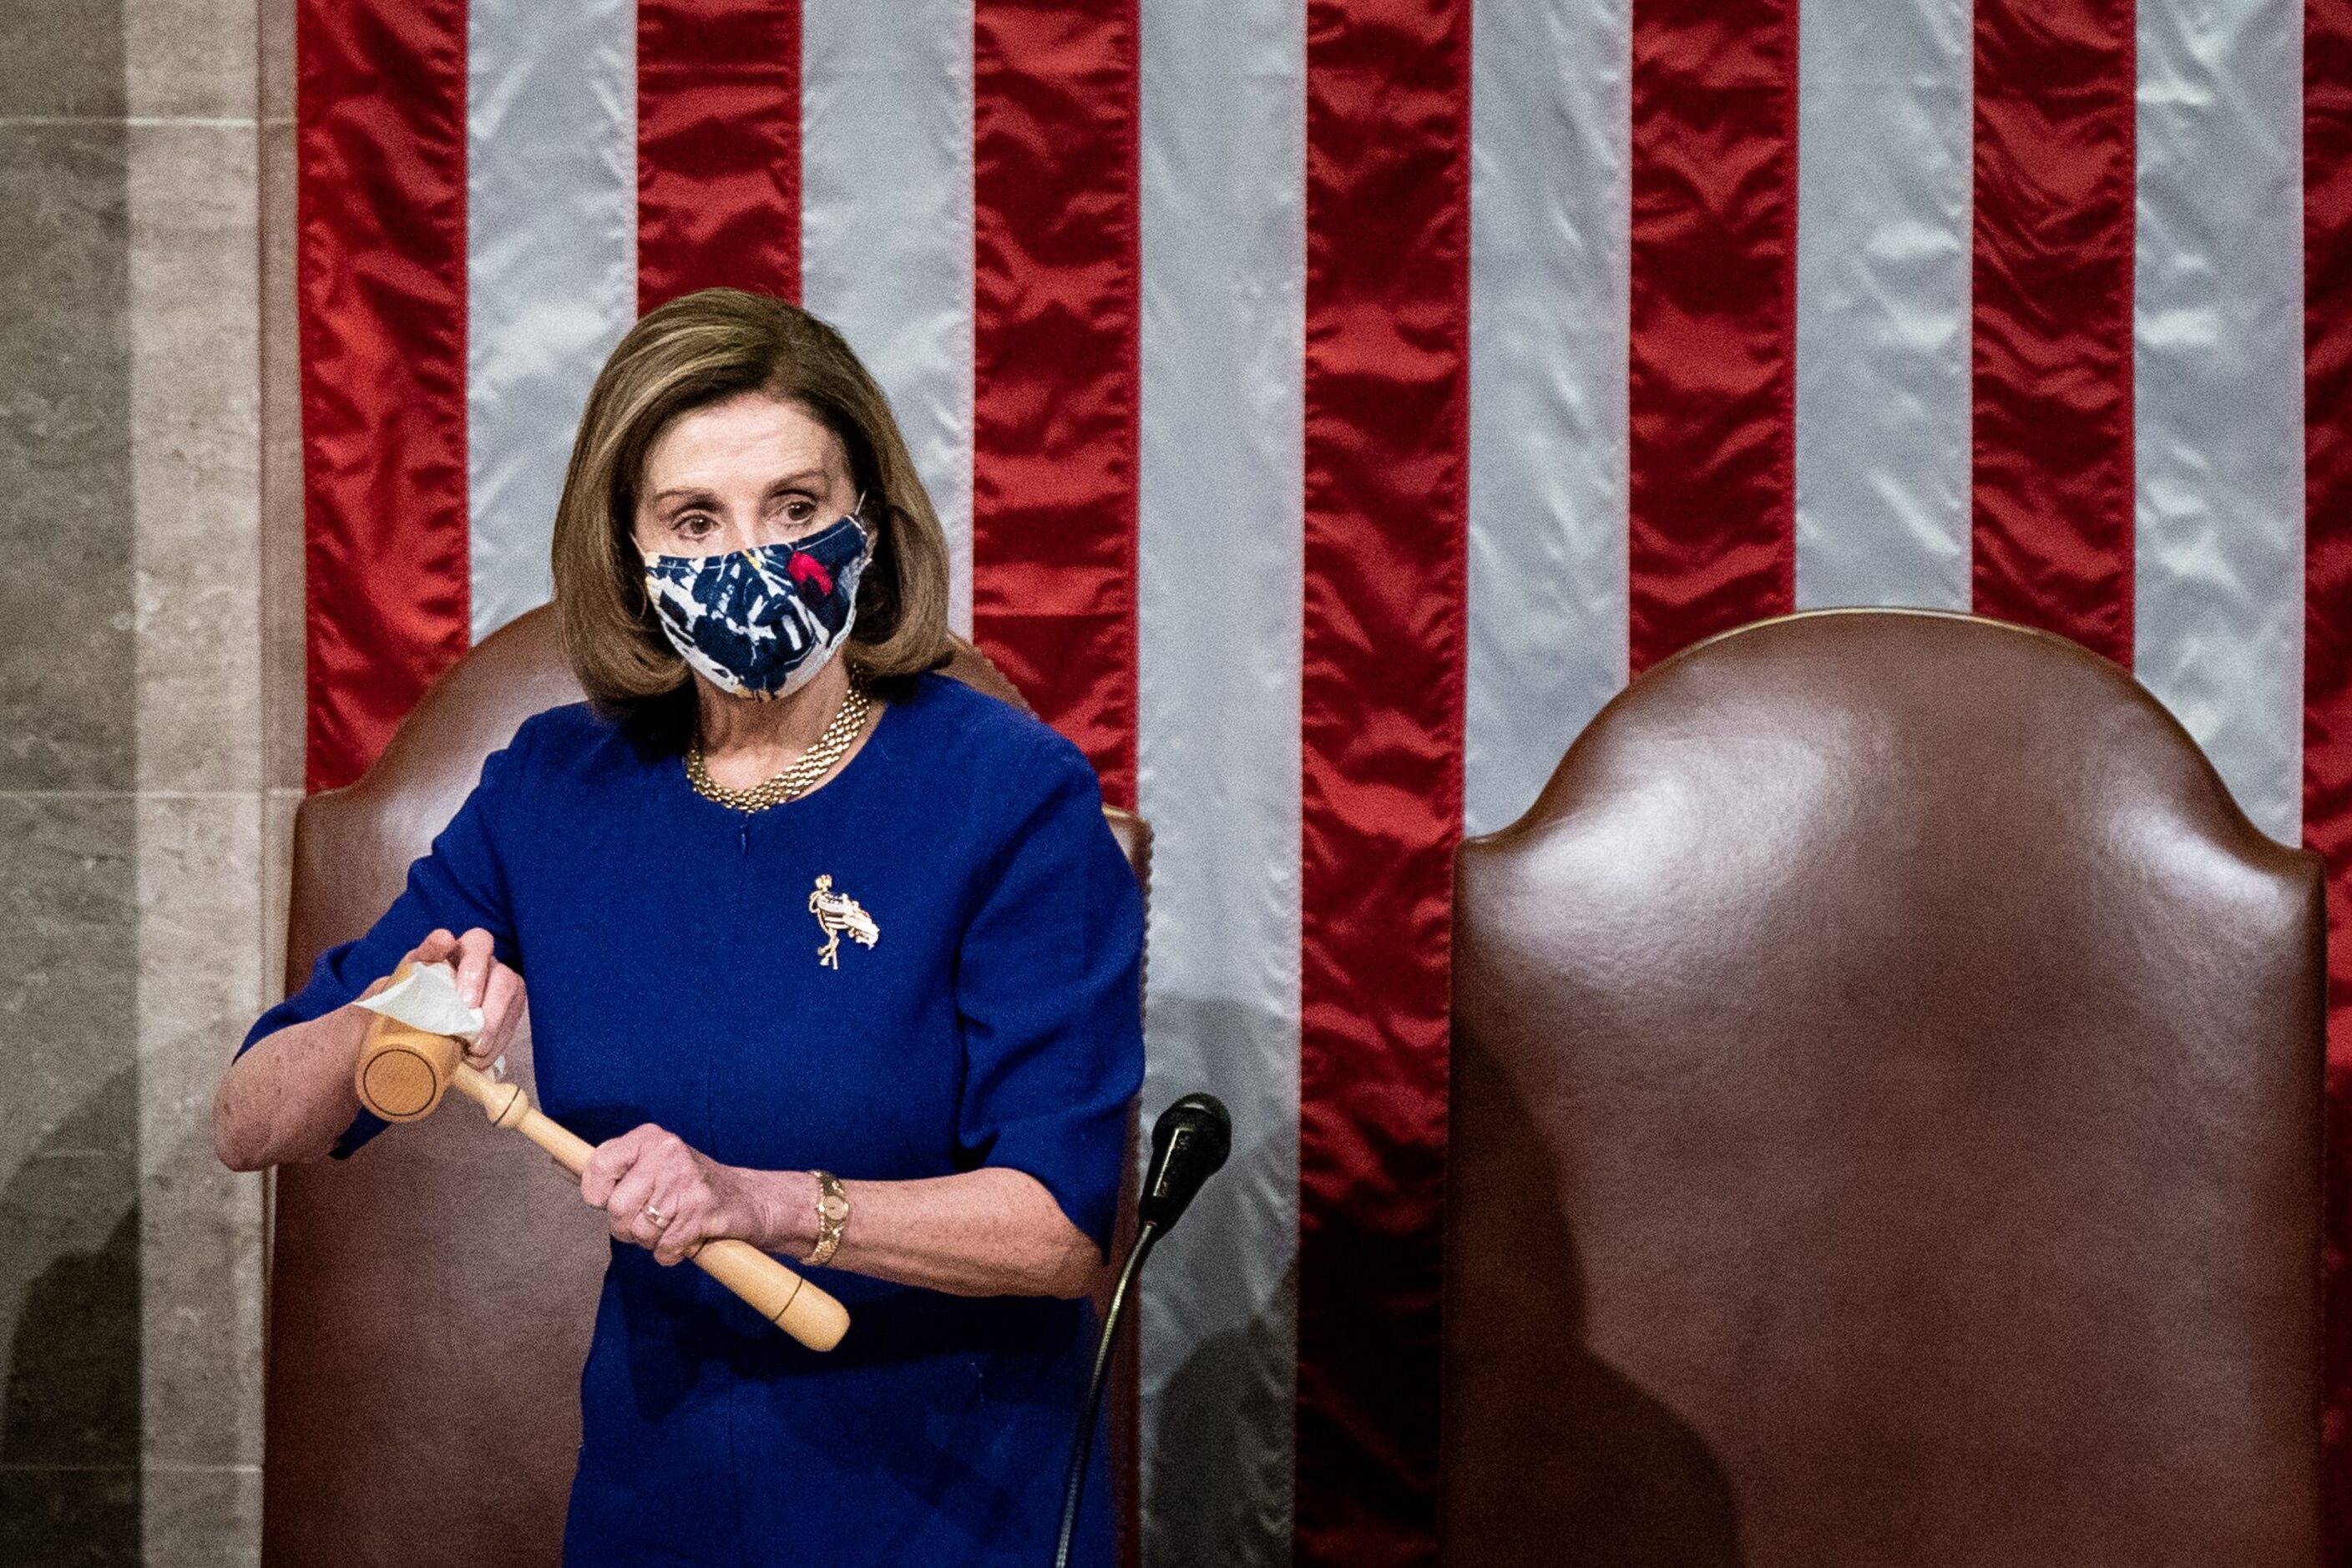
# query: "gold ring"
x,y
655,1215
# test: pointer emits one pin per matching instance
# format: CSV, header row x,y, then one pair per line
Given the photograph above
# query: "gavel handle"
x,y
801,1309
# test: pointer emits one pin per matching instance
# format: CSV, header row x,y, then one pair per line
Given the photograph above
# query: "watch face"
x,y
832,1207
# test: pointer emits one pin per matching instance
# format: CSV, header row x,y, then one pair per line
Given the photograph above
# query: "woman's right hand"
x,y
291,1097
482,981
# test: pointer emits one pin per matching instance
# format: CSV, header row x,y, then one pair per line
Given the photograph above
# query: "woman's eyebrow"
x,y
804,479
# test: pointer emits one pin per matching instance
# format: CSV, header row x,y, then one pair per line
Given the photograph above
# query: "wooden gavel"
x,y
402,1074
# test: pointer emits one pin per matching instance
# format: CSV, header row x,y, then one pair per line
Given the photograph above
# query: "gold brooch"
x,y
838,914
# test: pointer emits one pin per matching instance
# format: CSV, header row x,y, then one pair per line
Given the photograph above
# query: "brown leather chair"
x,y
1885,1127
431,1300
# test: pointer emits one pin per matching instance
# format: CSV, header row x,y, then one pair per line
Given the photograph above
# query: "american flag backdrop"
x,y
1331,403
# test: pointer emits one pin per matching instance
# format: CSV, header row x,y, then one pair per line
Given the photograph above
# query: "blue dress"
x,y
673,965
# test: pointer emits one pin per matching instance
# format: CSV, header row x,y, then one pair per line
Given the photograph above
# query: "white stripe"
x,y
1221,560
1884,149
550,265
1550,153
887,226
2218,388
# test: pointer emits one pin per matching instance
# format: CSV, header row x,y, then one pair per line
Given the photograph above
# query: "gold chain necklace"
x,y
805,771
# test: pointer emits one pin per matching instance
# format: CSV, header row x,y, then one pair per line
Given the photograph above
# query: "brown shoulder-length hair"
x,y
692,352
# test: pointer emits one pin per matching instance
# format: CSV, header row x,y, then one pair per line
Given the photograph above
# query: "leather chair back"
x,y
431,1300
1885,1126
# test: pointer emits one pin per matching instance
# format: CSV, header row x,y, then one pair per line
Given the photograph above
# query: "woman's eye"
x,y
800,509
694,525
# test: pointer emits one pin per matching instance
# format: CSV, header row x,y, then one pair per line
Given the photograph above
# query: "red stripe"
x,y
718,147
1388,114
2053,531
381,149
1710,399
2327,657
1054,350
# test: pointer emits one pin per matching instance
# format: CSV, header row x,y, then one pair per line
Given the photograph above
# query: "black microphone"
x,y
1189,1144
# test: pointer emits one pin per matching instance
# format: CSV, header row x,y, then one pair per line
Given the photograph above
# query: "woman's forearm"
x,y
290,1096
990,1232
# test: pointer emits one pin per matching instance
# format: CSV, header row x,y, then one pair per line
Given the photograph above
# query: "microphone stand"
x,y
1189,1144
1073,1485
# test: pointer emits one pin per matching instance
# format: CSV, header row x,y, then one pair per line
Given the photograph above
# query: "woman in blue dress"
x,y
824,951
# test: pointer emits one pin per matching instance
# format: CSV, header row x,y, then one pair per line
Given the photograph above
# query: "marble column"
x,y
150,755
71,1307
192,74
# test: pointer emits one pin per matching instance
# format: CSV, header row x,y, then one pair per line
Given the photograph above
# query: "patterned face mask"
x,y
762,622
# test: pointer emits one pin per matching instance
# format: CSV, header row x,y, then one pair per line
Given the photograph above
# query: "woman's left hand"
x,y
650,1167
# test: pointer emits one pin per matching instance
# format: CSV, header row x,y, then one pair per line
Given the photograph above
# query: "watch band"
x,y
831,1217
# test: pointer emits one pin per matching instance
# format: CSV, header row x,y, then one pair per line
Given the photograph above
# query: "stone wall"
x,y
150,754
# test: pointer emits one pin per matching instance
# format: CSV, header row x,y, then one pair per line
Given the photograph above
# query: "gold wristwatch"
x,y
831,1216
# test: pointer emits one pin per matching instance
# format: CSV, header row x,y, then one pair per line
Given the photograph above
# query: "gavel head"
x,y
404,1072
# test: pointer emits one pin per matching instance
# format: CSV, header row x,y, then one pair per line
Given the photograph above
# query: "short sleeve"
x,y
1049,979
457,884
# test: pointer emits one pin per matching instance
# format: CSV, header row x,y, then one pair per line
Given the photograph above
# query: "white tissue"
x,y
428,1000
